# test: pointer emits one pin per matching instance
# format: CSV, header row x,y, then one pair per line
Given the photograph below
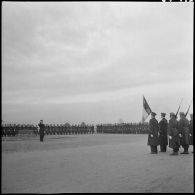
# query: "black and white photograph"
x,y
97,97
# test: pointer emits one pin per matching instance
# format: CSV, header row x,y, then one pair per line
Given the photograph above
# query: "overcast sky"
x,y
94,61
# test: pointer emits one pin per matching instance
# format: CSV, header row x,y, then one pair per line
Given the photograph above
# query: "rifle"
x,y
179,108
188,109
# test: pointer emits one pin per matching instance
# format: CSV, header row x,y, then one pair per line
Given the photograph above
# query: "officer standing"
x,y
191,130
153,139
41,130
173,132
163,125
184,132
3,130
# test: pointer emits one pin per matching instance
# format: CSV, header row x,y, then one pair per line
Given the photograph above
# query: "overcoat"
x,y
163,125
184,130
153,130
173,132
191,132
42,129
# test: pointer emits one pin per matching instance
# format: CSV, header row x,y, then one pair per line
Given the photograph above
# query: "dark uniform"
x,y
174,141
191,130
163,125
41,130
35,130
2,130
184,131
153,139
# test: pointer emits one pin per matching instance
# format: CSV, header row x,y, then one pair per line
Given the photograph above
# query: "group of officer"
x,y
175,133
123,128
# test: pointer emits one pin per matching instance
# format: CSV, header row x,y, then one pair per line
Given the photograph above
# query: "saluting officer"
x,y
174,141
184,132
163,125
153,139
41,130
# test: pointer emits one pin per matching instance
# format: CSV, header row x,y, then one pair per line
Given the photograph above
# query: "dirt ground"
x,y
92,163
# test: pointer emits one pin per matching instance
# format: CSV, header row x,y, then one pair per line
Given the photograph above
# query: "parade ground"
x,y
92,163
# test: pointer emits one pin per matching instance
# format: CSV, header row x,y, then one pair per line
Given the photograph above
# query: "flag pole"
x,y
188,108
179,107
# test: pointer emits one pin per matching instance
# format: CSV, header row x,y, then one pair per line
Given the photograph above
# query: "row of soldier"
x,y
175,133
124,128
68,129
13,130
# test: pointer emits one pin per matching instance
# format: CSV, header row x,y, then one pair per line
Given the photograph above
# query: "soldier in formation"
x,y
191,131
163,125
153,140
184,132
174,141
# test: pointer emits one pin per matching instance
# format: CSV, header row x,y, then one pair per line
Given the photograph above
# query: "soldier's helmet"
x,y
163,114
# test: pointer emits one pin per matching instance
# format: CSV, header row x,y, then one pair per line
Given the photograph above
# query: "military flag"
x,y
146,110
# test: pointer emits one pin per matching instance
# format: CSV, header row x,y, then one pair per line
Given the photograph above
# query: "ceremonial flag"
x,y
146,110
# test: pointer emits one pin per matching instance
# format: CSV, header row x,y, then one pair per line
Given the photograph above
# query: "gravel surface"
x,y
92,163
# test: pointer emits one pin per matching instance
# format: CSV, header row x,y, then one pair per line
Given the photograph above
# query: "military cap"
x,y
153,113
172,114
181,113
163,114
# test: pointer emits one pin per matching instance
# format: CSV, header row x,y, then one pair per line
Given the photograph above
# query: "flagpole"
x,y
188,108
179,107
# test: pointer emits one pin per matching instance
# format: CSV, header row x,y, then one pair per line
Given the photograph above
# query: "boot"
x,y
153,150
185,151
162,149
174,153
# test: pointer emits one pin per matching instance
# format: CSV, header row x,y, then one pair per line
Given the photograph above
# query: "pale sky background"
x,y
93,61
